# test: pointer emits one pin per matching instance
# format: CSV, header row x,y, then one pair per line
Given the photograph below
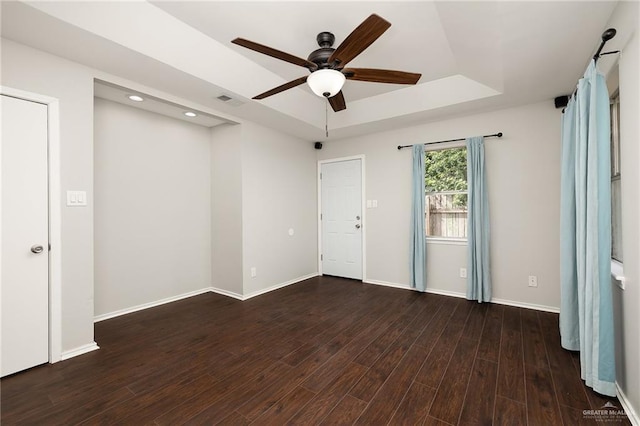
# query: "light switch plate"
x,y
76,198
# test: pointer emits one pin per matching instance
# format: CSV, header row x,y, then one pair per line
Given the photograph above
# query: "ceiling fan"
x,y
327,65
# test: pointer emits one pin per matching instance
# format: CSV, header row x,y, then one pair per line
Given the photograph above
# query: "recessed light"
x,y
190,114
135,98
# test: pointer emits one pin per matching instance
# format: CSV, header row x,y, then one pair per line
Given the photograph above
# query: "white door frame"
x,y
55,213
362,209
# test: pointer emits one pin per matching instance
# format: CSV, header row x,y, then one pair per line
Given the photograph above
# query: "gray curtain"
x,y
418,236
586,310
478,261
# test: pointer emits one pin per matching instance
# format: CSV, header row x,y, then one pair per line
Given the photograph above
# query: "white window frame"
x,y
617,267
615,155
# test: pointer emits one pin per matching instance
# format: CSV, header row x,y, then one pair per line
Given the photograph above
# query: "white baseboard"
x,y
79,351
628,408
278,286
447,293
388,284
227,293
406,287
533,306
220,291
241,297
132,309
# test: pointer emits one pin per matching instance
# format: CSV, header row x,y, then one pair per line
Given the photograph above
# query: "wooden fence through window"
x,y
446,215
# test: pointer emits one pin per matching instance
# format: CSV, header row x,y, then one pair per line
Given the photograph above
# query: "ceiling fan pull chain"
x,y
326,118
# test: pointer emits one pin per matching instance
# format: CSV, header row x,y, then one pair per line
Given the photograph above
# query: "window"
x,y
446,193
616,205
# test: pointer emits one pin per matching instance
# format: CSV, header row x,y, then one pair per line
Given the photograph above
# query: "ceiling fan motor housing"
x,y
321,56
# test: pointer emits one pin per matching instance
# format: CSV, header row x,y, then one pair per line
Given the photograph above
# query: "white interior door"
x,y
24,290
341,220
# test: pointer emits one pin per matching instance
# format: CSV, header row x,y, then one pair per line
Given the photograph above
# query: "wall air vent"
x,y
229,100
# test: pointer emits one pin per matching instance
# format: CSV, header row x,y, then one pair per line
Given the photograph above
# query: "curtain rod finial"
x,y
500,134
399,147
608,34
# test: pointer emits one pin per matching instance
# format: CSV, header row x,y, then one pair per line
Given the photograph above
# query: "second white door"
x,y
341,220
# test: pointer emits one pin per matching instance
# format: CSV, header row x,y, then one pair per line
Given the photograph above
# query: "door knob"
x,y
37,249
357,226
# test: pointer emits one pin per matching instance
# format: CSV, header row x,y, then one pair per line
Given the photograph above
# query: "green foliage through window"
x,y
446,170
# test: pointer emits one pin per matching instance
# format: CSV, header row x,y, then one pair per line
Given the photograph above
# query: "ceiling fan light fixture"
x,y
326,83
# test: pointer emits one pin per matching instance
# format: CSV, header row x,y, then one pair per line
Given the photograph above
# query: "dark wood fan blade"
x,y
266,50
381,76
282,88
359,39
337,102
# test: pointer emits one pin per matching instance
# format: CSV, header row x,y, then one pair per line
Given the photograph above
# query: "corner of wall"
x,y
226,209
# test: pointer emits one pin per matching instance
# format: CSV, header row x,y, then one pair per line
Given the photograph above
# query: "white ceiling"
x,y
472,55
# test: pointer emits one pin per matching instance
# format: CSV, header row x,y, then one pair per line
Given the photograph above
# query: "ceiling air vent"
x,y
229,100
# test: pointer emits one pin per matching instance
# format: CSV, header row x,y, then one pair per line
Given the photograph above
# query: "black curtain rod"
x,y
497,135
606,36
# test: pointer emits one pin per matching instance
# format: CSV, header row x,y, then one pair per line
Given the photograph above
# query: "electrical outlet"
x,y
253,272
533,281
463,272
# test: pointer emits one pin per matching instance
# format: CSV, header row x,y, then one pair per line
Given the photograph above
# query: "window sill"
x,y
447,241
617,272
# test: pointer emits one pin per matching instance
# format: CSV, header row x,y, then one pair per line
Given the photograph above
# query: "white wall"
x,y
278,194
627,302
152,216
226,209
523,172
72,84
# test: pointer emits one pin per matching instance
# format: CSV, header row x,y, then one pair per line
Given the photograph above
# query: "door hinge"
x,y
49,246
321,257
320,216
320,176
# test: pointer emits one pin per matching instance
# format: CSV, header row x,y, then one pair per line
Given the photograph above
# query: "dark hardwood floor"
x,y
325,351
